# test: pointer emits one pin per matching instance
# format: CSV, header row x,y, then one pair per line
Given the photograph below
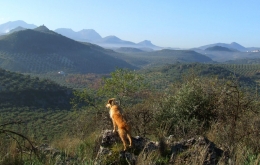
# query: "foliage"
x,y
237,117
188,108
141,118
82,98
123,85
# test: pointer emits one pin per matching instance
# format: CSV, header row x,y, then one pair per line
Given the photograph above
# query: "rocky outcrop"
x,y
197,150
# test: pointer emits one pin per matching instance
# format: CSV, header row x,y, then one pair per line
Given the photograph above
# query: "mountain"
x,y
6,27
90,35
114,40
165,56
41,50
220,48
181,55
128,50
233,45
146,43
85,35
19,28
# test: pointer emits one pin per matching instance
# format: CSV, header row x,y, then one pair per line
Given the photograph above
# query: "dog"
x,y
119,122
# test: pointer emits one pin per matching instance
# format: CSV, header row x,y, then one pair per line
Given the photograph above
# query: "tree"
x,y
123,85
83,98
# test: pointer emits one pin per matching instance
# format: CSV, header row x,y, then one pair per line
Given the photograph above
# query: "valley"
x,y
54,86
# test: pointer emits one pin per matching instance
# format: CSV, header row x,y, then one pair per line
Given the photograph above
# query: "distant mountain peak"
x,y
233,45
8,26
146,43
112,38
18,21
87,30
19,28
65,29
220,48
42,28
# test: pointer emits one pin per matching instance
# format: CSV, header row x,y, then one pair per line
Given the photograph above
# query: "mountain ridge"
x,y
220,48
232,45
42,50
84,35
90,35
6,27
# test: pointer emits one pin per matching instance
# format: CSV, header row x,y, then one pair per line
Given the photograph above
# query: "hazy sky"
x,y
173,23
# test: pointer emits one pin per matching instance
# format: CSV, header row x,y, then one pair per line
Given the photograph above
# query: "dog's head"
x,y
111,102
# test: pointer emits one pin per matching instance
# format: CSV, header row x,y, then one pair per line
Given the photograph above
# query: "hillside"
x,y
162,76
232,45
41,50
220,48
42,106
165,56
17,90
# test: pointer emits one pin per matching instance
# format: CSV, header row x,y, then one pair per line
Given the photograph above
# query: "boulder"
x,y
197,150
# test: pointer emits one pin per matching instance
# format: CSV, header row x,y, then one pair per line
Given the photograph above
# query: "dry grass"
x,y
68,144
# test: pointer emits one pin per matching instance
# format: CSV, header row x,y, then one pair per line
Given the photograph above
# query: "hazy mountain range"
x,y
41,50
6,27
90,35
233,45
27,48
85,35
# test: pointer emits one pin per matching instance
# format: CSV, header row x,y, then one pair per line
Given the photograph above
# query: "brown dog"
x,y
119,121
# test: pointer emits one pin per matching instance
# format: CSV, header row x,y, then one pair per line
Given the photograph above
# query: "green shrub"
x,y
188,109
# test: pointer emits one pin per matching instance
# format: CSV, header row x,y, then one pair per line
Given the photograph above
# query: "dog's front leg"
x,y
114,125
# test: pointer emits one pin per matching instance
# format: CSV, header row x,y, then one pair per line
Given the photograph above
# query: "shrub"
x,y
188,109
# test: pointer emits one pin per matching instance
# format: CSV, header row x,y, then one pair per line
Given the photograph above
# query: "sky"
x,y
166,23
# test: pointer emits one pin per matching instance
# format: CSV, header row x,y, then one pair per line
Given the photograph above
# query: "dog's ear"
x,y
110,101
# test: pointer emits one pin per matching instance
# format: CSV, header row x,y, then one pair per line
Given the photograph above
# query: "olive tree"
x,y
123,84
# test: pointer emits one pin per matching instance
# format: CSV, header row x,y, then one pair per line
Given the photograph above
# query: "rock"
x,y
108,139
193,148
197,150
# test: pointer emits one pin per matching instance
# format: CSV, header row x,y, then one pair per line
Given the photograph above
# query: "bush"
x,y
188,109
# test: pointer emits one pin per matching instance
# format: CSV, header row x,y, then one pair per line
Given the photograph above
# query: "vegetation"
x,y
182,100
19,90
